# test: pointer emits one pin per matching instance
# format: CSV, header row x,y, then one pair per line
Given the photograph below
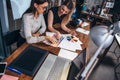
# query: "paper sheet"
x,y
84,24
65,44
8,77
69,45
52,34
67,54
81,30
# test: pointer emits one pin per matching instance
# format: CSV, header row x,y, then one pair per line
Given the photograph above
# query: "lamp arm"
x,y
87,68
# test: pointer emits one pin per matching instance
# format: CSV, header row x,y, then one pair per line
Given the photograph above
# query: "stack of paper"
x,y
84,24
67,54
68,42
69,45
81,30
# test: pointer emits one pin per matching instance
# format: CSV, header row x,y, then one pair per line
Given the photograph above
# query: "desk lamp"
x,y
102,36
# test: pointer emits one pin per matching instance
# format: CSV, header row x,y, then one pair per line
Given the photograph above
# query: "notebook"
x,y
8,77
30,60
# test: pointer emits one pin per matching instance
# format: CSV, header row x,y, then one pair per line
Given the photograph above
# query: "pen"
x,y
14,70
61,39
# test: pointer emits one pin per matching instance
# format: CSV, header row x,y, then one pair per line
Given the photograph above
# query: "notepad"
x,y
67,54
81,30
30,60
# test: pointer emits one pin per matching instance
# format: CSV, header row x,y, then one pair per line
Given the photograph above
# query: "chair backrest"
x,y
11,37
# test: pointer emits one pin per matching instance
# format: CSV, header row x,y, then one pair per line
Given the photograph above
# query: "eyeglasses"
x,y
42,7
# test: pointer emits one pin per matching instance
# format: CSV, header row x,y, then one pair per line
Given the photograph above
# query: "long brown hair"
x,y
32,9
67,18
68,3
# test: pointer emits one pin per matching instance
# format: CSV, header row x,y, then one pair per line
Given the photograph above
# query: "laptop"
x,y
59,68
2,68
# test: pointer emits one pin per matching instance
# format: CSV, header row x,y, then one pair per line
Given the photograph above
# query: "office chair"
x,y
11,38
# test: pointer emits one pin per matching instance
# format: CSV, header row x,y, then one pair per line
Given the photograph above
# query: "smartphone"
x,y
2,67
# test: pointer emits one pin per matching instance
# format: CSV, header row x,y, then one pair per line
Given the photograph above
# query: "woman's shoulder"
x,y
28,15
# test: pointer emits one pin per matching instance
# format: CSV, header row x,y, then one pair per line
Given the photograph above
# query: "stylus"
x,y
14,70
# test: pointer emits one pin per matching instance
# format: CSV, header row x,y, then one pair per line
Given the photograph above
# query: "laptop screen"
x,y
2,67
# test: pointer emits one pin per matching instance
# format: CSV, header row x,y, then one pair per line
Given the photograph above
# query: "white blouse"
x,y
32,25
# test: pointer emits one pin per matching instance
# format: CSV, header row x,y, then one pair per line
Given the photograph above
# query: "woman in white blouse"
x,y
33,22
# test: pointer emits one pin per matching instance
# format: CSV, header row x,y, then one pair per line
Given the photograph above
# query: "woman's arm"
x,y
64,27
27,28
50,24
67,18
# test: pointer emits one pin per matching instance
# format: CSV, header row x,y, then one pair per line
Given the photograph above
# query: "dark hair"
x,y
32,8
68,3
40,1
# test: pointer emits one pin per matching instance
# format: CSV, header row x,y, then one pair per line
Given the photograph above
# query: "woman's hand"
x,y
73,33
58,35
36,34
51,39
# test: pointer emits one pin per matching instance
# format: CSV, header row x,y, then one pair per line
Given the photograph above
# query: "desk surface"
x,y
55,50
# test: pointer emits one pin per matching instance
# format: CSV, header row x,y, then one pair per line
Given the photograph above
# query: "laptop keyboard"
x,y
54,68
56,71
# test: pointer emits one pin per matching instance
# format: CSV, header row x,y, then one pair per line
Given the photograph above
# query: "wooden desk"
x,y
55,50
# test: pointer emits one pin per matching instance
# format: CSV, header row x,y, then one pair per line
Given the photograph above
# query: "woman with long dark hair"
x,y
33,23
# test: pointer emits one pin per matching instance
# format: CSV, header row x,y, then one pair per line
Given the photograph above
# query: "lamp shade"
x,y
98,34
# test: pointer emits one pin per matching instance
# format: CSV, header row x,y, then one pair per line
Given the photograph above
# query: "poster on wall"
x,y
109,4
19,7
